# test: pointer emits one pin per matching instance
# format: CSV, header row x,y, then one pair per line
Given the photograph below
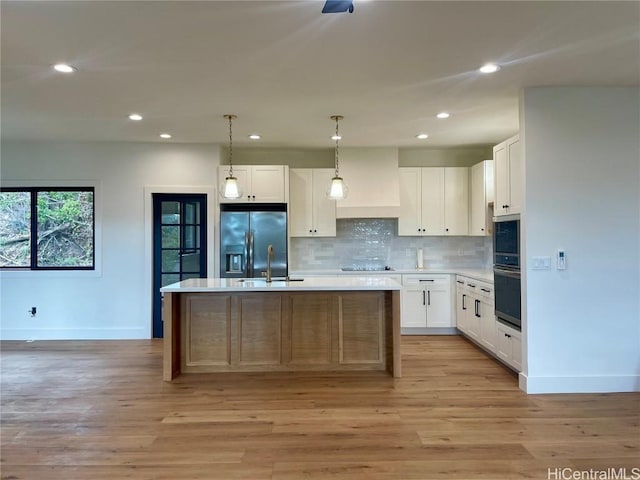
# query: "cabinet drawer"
x,y
440,280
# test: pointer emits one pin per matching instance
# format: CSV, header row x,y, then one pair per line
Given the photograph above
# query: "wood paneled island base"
x,y
279,328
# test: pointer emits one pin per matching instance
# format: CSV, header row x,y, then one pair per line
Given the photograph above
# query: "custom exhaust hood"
x,y
374,183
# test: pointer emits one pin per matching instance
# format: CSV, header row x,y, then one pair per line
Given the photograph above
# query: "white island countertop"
x,y
334,283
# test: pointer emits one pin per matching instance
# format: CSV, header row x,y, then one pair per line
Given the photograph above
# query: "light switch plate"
x,y
541,263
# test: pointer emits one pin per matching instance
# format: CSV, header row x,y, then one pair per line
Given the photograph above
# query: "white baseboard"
x,y
581,384
76,334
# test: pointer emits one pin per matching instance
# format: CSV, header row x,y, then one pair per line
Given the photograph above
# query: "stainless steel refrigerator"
x,y
246,231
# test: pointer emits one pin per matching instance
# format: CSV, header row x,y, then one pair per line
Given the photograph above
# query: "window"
x,y
47,228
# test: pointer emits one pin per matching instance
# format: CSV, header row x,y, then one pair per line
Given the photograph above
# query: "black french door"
x,y
179,244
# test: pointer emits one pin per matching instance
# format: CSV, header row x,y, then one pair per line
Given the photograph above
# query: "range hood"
x,y
374,183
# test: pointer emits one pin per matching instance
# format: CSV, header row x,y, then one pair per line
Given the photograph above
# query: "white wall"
x,y
582,194
114,301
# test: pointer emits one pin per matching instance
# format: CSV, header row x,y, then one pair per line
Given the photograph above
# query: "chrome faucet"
x,y
270,255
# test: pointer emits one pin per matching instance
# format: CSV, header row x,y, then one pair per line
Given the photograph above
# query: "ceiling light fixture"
x,y
489,68
338,190
422,136
230,188
443,115
166,136
64,68
255,136
136,117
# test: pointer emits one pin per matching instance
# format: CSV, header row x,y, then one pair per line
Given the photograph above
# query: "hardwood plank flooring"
x,y
98,410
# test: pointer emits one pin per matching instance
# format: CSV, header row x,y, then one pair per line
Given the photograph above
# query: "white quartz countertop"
x,y
475,273
335,283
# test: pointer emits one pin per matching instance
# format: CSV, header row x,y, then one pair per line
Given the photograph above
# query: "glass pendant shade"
x,y
338,189
230,188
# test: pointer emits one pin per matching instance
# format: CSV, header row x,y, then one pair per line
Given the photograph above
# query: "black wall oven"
x,y
506,271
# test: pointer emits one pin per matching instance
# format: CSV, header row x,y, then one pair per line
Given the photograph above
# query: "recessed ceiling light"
x,y
489,68
336,137
422,136
255,136
443,115
135,116
165,135
64,68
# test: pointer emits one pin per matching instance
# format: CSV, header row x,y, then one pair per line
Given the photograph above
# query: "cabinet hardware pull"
x,y
428,297
424,302
460,282
426,280
471,285
464,297
505,206
485,290
478,308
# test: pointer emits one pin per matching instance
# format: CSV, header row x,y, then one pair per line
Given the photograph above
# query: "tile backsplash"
x,y
374,243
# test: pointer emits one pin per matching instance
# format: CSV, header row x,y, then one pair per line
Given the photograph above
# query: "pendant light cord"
x,y
230,117
337,161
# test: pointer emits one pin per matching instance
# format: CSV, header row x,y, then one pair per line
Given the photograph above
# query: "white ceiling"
x,y
284,68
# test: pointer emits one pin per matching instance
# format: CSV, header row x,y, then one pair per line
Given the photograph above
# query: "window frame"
x,y
33,229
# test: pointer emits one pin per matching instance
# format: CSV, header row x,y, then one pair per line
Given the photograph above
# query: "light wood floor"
x,y
100,411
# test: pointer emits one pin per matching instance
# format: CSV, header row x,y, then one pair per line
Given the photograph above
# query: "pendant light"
x,y
230,188
338,189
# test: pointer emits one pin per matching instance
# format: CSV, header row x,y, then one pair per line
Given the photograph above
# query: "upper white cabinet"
x,y
434,201
507,159
311,213
258,183
481,195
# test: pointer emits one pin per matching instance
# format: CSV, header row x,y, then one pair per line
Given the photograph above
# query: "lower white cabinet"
x,y
509,345
426,302
475,318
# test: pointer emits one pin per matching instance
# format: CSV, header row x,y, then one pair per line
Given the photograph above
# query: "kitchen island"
x,y
319,324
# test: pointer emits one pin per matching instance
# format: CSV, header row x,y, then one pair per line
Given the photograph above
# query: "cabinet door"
x,y
409,221
243,174
487,324
323,209
267,184
438,306
456,201
301,202
515,175
462,310
503,343
501,180
481,193
432,201
414,309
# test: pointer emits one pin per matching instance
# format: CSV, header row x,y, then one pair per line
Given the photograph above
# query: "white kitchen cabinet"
x,y
258,183
475,311
434,201
426,302
508,180
311,212
509,345
481,194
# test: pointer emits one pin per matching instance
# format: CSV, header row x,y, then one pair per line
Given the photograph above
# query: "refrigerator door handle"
x,y
250,255
245,267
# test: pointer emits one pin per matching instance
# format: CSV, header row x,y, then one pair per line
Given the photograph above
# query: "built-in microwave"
x,y
506,243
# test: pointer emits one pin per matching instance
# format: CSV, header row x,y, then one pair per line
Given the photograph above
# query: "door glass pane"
x,y
170,261
190,275
15,229
191,213
189,237
171,237
169,279
171,212
191,262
